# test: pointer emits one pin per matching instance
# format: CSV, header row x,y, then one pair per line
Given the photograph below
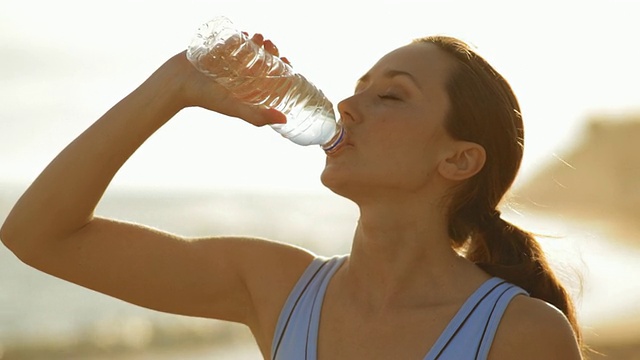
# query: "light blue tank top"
x,y
468,336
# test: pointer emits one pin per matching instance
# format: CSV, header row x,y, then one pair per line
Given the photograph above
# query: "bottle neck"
x,y
336,141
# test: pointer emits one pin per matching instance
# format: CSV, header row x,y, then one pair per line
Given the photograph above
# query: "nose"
x,y
347,109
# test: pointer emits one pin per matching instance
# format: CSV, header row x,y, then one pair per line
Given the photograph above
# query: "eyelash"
x,y
388,97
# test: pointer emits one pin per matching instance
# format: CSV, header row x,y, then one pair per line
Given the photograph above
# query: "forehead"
x,y
429,65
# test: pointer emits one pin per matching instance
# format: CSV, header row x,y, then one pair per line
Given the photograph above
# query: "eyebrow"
x,y
391,74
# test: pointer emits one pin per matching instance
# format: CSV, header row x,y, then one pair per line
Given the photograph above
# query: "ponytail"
x,y
503,250
506,251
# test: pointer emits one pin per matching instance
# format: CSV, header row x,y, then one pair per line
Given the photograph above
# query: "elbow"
x,y
16,241
32,242
5,235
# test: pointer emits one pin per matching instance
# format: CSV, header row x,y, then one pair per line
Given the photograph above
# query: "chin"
x,y
337,181
344,184
329,179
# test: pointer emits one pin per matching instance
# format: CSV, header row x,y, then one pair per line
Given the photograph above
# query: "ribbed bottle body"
x,y
259,78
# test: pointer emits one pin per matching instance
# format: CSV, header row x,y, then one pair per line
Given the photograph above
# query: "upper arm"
x,y
534,329
214,277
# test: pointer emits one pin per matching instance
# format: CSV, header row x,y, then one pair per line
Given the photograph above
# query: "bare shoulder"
x,y
270,270
534,329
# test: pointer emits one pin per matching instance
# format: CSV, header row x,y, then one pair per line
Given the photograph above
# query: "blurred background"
x,y
573,65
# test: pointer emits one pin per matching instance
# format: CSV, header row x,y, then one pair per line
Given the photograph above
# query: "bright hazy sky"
x,y
64,63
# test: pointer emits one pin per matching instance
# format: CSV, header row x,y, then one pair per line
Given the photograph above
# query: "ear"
x,y
464,161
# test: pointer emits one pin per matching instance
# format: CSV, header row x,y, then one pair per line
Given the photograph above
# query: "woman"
x,y
434,140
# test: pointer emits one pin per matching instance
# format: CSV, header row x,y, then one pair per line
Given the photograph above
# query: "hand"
x,y
197,89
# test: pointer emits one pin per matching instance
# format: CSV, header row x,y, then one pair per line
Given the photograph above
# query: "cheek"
x,y
411,158
412,169
400,164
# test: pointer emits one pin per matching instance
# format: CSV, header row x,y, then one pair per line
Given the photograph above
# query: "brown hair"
x,y
484,110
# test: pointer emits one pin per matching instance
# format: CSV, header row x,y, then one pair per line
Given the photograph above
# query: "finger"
x,y
260,116
271,48
258,39
273,116
286,60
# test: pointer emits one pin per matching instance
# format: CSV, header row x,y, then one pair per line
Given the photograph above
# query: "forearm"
x,y
63,197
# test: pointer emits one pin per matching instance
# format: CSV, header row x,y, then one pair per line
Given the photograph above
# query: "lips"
x,y
345,143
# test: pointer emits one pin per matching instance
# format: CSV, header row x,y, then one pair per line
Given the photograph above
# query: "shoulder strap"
x,y
462,316
292,301
498,310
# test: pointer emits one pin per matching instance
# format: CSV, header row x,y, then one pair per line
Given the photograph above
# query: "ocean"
x,y
42,317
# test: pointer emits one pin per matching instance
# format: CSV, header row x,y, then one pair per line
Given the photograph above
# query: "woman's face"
x,y
395,125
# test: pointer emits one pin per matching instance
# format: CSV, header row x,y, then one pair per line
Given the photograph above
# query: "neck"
x,y
402,254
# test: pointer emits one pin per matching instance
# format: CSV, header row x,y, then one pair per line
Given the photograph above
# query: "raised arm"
x,y
53,228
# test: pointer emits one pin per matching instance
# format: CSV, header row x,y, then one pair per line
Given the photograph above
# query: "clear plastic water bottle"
x,y
257,77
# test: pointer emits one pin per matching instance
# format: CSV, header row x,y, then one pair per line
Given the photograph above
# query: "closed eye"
x,y
389,97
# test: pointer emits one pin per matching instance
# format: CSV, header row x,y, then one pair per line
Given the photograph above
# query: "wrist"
x,y
164,89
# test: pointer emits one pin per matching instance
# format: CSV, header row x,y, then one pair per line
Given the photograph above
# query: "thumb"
x,y
260,116
273,116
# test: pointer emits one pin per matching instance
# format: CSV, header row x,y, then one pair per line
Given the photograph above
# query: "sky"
x,y
64,63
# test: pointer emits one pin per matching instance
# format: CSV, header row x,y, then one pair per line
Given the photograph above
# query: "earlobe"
x,y
465,162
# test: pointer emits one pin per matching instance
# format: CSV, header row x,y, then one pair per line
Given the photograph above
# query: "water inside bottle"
x,y
256,77
310,118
